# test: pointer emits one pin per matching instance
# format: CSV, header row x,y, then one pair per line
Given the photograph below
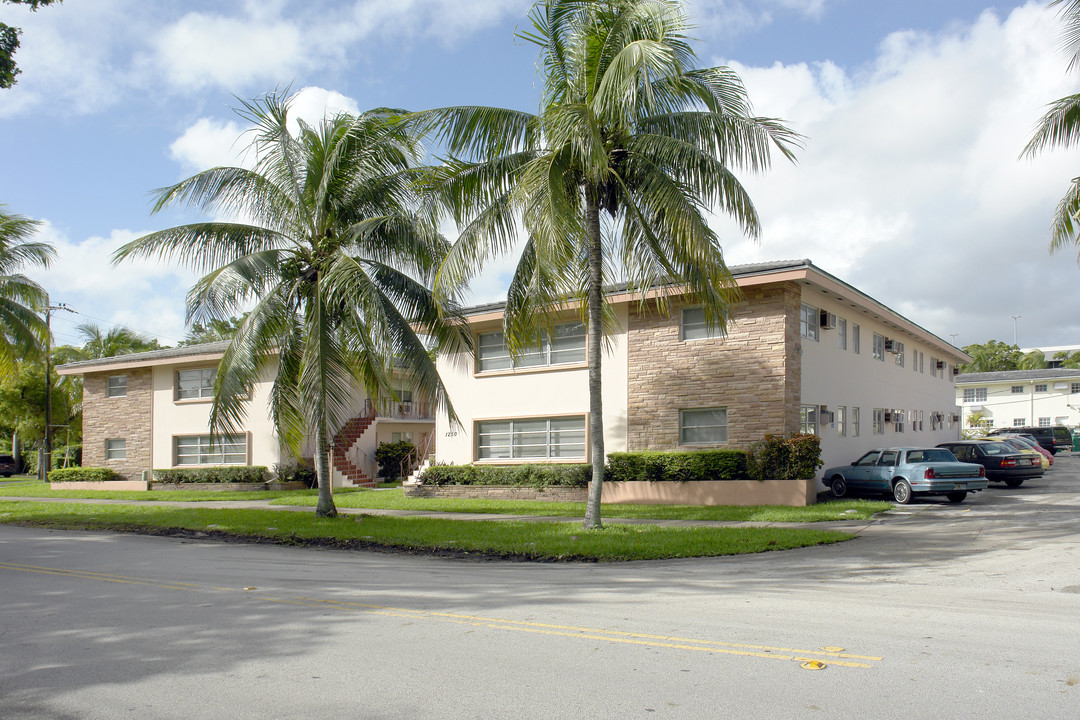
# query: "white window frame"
x,y
115,449
975,395
549,354
1019,422
516,431
855,421
855,338
879,347
1044,422
841,421
201,450
116,386
808,419
204,391
1016,389
717,425
879,421
809,322
1041,387
697,327
841,333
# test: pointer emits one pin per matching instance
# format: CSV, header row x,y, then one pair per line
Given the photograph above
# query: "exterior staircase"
x,y
343,442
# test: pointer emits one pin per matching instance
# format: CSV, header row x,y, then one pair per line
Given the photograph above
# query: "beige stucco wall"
x,y
127,417
530,392
835,377
173,417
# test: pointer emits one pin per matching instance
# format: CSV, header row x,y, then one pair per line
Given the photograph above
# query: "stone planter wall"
x,y
497,492
100,485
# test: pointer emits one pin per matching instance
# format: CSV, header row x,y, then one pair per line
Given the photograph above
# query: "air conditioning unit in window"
x,y
954,418
894,346
889,416
827,320
939,364
827,417
955,371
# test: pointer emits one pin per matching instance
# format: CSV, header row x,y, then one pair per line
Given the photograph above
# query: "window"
x,y
199,450
116,449
695,325
1044,422
841,332
879,347
1040,388
855,338
531,438
879,421
1019,422
565,345
898,420
703,427
1075,388
116,386
974,395
808,419
808,322
854,422
401,437
922,363
900,358
841,421
198,383
1017,389
933,366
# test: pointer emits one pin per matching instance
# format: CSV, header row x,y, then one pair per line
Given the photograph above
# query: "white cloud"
x,y
209,143
909,186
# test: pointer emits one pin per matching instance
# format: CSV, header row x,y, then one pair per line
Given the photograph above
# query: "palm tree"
x,y
1060,127
613,179
332,264
117,340
22,328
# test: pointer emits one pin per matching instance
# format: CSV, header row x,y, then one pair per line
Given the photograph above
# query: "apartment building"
x,y
1018,398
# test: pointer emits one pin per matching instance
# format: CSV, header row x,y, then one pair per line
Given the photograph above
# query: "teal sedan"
x,y
904,472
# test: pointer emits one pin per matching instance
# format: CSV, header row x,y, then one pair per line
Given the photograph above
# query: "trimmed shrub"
x,y
215,474
529,475
682,466
390,455
83,474
295,471
73,452
780,458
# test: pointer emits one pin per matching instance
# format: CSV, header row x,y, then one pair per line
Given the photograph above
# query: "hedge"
x,y
689,466
226,474
83,474
531,474
780,458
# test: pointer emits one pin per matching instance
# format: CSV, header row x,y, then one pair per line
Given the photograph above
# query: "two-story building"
x,y
1018,398
151,410
804,352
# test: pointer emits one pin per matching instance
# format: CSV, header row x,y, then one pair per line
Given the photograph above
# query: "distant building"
x,y
1015,398
1050,352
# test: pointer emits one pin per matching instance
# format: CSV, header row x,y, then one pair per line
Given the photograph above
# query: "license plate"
x,y
961,486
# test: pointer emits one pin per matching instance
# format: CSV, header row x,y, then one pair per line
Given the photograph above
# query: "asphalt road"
x,y
936,611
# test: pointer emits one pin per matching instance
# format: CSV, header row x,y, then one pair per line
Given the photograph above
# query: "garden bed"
x,y
143,485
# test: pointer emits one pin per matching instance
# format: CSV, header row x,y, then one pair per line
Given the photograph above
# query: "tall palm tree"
x,y
22,328
332,263
117,340
1060,127
613,179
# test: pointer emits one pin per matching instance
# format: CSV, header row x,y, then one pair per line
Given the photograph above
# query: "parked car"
x,y
7,465
1030,442
1001,461
907,471
1054,438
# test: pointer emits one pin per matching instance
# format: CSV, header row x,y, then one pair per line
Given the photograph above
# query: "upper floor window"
x,y
841,333
975,394
695,325
1017,389
1040,388
195,383
1075,388
855,338
531,438
116,386
565,345
703,426
808,322
879,347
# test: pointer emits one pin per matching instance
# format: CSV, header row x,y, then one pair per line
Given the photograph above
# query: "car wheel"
x,y
901,492
957,497
838,487
1014,483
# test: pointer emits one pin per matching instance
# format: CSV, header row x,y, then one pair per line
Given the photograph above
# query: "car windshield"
x,y
930,455
997,448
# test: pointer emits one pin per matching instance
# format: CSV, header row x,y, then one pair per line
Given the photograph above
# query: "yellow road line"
x,y
832,656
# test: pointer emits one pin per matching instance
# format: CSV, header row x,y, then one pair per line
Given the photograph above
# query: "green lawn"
x,y
42,490
544,541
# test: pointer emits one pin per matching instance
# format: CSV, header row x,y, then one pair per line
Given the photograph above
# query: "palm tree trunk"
x,y
596,336
326,507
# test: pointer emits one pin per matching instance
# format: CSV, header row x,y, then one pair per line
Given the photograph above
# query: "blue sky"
x,y
909,186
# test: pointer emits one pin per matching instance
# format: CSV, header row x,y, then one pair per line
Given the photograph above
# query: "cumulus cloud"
x,y
909,186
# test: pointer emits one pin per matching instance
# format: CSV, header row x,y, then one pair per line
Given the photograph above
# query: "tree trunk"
x,y
326,507
596,337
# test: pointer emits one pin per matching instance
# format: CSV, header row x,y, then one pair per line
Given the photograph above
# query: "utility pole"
x,y
46,460
1015,318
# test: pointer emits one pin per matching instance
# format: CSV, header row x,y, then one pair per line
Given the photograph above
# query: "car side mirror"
x,y
854,462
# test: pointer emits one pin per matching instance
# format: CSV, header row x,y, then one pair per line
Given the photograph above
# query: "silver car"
x,y
904,472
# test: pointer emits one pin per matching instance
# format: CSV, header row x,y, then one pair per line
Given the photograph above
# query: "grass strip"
x,y
537,541
43,490
394,499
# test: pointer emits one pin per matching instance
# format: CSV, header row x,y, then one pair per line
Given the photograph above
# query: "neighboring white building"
x,y
1015,398
804,352
150,411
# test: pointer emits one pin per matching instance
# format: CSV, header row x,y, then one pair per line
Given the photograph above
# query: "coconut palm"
x,y
117,340
1060,127
22,329
612,180
331,261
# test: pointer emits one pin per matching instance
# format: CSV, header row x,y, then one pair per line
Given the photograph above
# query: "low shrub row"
x,y
529,475
83,474
676,466
215,474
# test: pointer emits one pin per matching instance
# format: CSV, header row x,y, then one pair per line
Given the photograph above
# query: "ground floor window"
x,y
401,437
531,438
116,449
199,450
704,426
808,419
1019,422
1044,422
841,421
879,421
855,422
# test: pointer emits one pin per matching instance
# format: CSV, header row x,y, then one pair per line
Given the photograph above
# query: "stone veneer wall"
x,y
754,371
127,417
